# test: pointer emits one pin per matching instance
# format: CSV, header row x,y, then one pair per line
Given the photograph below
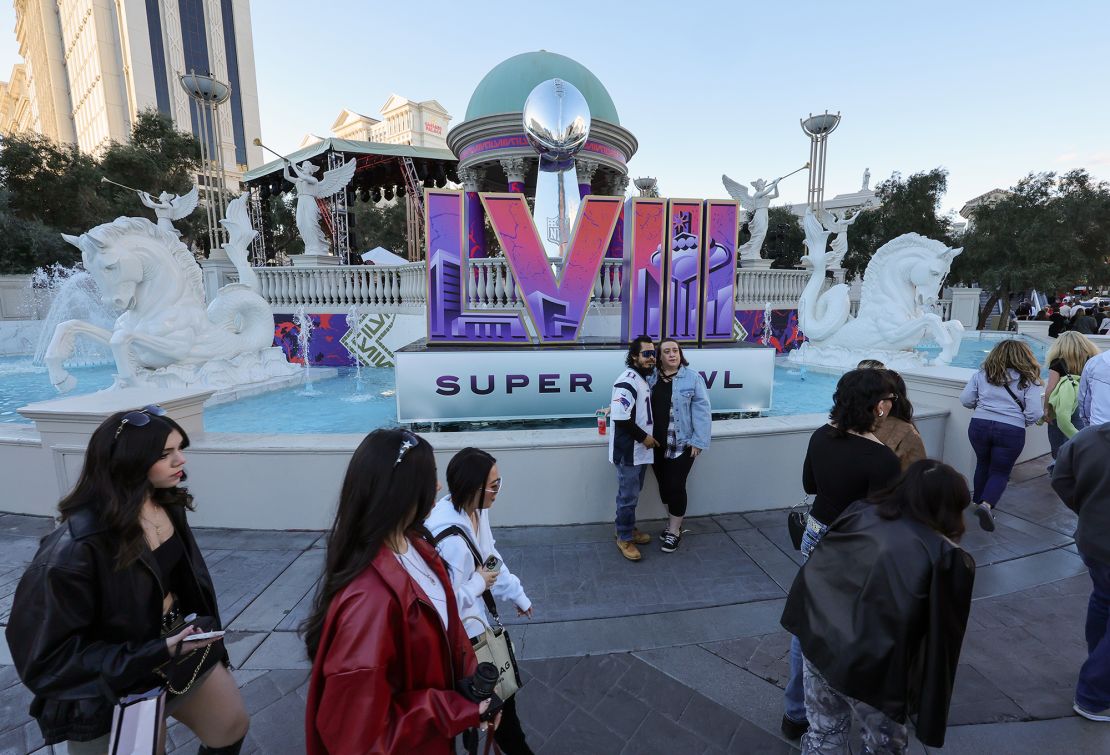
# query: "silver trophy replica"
x,y
557,122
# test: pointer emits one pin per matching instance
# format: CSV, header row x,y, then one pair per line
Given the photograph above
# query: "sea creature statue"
x,y
170,207
756,204
838,224
310,189
166,337
900,289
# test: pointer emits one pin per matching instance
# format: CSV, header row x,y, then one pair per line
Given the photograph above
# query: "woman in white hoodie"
x,y
474,481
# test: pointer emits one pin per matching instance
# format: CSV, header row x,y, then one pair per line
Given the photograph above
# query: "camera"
x,y
479,687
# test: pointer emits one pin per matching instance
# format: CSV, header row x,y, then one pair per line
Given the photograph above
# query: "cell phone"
x,y
493,563
204,636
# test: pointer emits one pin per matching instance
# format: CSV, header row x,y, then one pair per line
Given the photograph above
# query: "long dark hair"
x,y
902,408
467,473
857,393
931,492
379,495
114,479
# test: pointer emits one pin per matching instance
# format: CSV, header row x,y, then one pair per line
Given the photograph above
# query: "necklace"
x,y
415,563
157,527
667,378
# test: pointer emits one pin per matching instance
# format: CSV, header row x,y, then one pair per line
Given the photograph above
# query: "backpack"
x,y
1064,400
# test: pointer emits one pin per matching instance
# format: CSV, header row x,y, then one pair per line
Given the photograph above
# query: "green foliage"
x,y
55,188
785,242
906,206
379,226
1048,233
282,219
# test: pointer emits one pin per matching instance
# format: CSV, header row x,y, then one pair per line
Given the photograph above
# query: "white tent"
x,y
379,255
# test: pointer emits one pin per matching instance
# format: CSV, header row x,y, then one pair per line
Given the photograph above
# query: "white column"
x,y
965,306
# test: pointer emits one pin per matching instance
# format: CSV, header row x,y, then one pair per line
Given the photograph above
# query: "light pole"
x,y
208,93
818,128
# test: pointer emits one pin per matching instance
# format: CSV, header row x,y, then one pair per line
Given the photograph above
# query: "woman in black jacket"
x,y
880,610
106,606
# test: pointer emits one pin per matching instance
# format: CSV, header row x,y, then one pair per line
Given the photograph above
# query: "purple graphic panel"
x,y
476,226
784,334
645,230
684,245
719,270
616,243
448,319
324,347
555,306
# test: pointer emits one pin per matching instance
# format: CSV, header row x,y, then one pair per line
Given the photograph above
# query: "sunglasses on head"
x,y
139,418
408,442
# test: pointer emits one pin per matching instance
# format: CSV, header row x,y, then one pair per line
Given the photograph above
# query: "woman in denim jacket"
x,y
681,413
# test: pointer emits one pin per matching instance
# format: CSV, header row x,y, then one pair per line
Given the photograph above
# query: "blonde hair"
x,y
1074,349
1012,354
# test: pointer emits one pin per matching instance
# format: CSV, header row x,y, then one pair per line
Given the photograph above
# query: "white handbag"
x,y
139,724
494,646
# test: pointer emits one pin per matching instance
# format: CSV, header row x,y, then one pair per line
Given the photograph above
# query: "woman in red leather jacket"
x,y
385,639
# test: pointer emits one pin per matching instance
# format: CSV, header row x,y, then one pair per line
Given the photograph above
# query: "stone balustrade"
x,y
781,288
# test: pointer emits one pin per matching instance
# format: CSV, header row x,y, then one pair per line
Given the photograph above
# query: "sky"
x,y
988,90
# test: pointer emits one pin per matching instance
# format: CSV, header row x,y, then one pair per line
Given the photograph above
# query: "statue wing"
x,y
184,205
335,179
739,192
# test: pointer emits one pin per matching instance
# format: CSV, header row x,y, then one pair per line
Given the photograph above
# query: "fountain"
x,y
304,334
72,294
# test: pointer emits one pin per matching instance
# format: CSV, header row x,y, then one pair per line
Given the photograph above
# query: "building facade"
x,y
403,121
92,65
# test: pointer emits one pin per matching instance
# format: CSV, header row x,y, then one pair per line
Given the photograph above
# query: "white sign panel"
x,y
478,384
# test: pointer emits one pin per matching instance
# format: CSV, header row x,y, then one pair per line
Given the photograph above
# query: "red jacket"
x,y
384,676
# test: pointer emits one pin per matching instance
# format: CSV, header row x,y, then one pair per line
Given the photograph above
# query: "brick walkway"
x,y
680,653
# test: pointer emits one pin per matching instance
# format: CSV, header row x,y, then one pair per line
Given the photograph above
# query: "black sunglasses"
x,y
139,418
648,353
408,441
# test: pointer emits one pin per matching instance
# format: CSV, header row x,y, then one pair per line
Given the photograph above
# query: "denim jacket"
x,y
690,399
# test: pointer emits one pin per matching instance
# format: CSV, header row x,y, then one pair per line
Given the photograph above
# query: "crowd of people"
x,y
408,652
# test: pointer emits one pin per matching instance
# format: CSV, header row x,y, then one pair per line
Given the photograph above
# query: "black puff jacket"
x,y
83,633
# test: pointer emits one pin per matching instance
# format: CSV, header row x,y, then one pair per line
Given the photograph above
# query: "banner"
x,y
436,385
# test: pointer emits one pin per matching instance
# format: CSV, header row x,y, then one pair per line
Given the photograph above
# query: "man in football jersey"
x,y
631,441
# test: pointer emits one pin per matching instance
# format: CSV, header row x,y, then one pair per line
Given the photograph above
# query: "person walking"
x,y
112,596
631,442
1066,358
1083,321
460,528
1006,397
387,646
844,463
682,427
880,610
1094,390
1082,480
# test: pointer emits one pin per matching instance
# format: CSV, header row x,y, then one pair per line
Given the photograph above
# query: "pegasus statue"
x,y
900,287
166,336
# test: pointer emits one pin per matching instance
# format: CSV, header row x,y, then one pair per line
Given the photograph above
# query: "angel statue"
x,y
756,205
310,189
169,207
838,225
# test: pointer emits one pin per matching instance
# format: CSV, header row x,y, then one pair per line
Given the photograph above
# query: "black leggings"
x,y
510,735
671,475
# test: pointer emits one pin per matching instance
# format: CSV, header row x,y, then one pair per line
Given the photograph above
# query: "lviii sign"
x,y
678,276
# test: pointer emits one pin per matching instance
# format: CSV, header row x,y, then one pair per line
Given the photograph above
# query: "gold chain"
x,y
196,671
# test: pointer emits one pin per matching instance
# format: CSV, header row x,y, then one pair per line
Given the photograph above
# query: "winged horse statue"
x,y
166,336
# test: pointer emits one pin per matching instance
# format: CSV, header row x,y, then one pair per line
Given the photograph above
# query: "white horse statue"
x,y
899,293
165,336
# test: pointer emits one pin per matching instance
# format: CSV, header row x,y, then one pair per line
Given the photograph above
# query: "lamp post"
x,y
818,128
208,93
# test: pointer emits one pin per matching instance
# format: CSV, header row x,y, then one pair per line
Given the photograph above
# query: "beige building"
x,y
416,124
90,66
16,112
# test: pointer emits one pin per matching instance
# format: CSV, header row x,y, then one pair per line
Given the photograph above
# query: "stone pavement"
x,y
680,653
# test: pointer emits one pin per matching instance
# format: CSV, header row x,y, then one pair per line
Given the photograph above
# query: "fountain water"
x,y
72,294
304,332
355,315
767,324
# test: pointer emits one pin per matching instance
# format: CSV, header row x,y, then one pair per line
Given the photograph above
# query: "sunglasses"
x,y
495,486
140,418
648,353
408,442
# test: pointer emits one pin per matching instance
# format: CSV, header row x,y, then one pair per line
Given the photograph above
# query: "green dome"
x,y
505,88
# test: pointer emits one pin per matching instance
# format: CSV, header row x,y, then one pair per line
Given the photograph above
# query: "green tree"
x,y
1048,233
785,242
28,244
379,226
905,206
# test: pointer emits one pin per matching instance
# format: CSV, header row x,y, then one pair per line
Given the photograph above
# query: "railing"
x,y
388,287
779,287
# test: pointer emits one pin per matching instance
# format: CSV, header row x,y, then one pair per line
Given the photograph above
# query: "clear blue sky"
x,y
990,90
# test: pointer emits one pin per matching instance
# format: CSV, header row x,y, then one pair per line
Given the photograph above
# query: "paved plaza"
x,y
680,653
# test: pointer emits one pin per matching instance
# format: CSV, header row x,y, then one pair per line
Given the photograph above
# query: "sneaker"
x,y
1092,715
792,729
628,549
640,538
986,519
670,541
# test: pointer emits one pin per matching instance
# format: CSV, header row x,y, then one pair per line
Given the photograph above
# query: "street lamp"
x,y
208,93
818,128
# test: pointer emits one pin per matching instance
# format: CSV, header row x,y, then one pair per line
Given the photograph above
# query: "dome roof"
x,y
508,84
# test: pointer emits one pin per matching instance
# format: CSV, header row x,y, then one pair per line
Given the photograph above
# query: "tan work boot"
x,y
628,549
640,538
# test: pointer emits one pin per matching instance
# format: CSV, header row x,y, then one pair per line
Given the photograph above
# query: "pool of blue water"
x,y
349,405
